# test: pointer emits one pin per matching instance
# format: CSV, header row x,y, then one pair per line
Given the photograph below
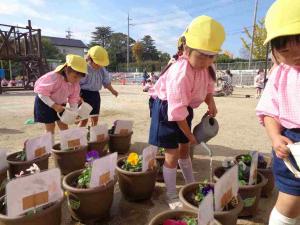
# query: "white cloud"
x,y
37,2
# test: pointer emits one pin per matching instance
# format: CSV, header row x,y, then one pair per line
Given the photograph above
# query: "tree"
x,y
150,51
260,34
101,37
137,51
50,51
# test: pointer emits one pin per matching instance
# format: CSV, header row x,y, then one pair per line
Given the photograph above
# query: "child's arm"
x,y
112,90
48,101
183,125
279,142
212,109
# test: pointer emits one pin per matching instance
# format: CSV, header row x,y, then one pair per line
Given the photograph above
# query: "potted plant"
x,y
3,180
101,146
134,184
49,214
119,142
17,162
192,194
88,204
177,217
70,159
249,193
264,168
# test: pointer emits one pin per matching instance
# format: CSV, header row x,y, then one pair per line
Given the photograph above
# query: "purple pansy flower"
x,y
92,155
261,158
206,189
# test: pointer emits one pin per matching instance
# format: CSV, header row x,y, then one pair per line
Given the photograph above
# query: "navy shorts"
x,y
43,113
164,133
92,98
285,180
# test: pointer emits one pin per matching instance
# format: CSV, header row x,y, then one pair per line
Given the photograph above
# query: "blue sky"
x,y
164,20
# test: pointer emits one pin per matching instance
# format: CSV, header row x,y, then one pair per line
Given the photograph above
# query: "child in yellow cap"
x,y
279,108
57,88
97,76
182,88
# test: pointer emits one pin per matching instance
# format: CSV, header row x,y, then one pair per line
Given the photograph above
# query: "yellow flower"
x,y
133,158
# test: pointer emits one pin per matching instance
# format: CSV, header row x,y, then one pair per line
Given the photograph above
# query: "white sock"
x,y
53,139
276,218
170,181
187,170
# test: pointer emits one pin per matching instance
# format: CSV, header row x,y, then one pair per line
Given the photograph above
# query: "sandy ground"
x,y
239,132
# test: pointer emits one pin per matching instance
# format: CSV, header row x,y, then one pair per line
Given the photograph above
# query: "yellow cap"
x,y
76,62
205,33
283,19
99,55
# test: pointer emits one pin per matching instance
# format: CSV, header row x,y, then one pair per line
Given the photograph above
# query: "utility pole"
x,y
253,33
128,24
69,33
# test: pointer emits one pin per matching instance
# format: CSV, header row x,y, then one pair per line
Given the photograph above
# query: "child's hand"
x,y
115,93
192,139
58,108
279,144
212,109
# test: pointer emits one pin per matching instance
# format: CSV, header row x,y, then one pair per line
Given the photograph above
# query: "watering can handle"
x,y
58,113
290,166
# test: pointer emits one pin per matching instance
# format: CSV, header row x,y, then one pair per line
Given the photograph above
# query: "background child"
x,y
279,108
97,76
184,86
57,88
259,82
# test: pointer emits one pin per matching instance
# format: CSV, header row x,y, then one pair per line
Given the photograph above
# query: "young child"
x,y
259,82
55,89
183,87
278,108
97,76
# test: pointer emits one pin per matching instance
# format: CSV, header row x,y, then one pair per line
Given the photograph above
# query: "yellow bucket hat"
x,y
76,62
205,33
283,19
99,55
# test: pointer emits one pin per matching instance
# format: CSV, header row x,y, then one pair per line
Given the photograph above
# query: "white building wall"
x,y
71,50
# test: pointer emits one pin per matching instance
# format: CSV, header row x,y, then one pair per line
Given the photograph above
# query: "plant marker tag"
x,y
149,161
32,191
38,146
253,168
73,137
226,188
103,170
3,161
268,159
123,127
99,133
206,210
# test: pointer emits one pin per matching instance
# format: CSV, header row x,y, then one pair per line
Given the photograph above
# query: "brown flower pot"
x,y
120,143
136,186
15,166
267,173
224,217
3,179
249,193
175,214
69,160
48,216
95,203
100,147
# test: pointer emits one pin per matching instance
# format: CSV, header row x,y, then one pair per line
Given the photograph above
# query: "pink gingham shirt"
x,y
53,85
182,86
281,97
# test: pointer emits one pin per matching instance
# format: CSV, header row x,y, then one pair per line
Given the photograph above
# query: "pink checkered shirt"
x,y
281,97
60,91
182,86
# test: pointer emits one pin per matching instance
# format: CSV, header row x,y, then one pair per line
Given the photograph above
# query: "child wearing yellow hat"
x,y
279,108
57,88
182,88
97,76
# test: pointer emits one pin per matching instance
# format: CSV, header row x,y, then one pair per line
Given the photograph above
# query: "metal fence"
x,y
243,65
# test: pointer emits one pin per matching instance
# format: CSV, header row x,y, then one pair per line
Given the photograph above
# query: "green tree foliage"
x,y
101,36
50,51
137,51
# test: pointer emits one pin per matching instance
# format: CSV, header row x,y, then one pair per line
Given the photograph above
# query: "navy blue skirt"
x,y
285,180
92,98
43,113
164,133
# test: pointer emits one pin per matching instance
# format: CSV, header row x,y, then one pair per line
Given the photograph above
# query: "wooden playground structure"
x,y
24,46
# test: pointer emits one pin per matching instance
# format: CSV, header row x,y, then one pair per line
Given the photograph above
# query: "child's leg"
x,y
94,120
185,163
61,125
169,172
83,123
286,210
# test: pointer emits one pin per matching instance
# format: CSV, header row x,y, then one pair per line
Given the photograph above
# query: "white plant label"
x,y
73,137
149,154
38,146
